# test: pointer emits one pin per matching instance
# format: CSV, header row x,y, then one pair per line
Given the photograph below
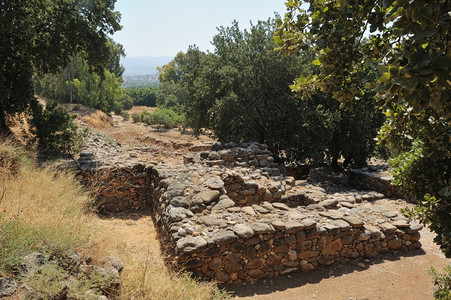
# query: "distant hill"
x,y
143,65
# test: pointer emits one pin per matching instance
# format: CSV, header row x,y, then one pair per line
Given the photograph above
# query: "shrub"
x,y
166,118
117,107
146,119
136,117
442,281
125,115
54,130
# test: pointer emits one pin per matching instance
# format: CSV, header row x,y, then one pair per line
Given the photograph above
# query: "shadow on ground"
x,y
294,280
127,215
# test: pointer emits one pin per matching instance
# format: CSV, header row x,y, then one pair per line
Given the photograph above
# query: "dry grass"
x,y
53,201
145,276
42,198
140,109
98,120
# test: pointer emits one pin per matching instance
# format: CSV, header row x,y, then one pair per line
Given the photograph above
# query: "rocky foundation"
x,y
229,215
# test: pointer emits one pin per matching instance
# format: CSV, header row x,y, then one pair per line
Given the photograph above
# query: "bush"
x,y
126,101
55,130
146,119
136,117
125,115
117,107
442,281
166,118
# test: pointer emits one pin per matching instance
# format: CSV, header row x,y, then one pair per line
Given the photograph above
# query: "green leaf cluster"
x,y
442,282
55,130
38,37
241,93
143,96
77,83
410,43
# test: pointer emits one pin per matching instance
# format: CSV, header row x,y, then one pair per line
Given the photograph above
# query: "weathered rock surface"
x,y
8,286
235,217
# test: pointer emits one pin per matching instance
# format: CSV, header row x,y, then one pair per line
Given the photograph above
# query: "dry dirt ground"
x,y
389,277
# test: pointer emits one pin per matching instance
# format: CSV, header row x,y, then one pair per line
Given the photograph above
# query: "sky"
x,y
164,28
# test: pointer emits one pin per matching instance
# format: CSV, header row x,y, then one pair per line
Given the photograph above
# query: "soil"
x,y
386,277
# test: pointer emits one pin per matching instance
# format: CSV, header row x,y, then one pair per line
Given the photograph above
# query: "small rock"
x,y
308,223
177,214
224,204
353,221
214,183
248,210
281,206
415,227
115,262
31,262
224,237
243,230
213,221
293,226
190,244
8,286
278,224
209,196
180,201
262,228
401,224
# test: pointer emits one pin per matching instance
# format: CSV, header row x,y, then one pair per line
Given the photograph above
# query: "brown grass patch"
x,y
145,275
52,200
98,120
141,109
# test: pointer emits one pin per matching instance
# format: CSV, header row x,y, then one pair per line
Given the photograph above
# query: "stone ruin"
x,y
229,214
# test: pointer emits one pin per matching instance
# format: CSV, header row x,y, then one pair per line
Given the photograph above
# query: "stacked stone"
x,y
381,182
250,251
315,197
241,155
244,224
247,192
208,234
120,189
231,244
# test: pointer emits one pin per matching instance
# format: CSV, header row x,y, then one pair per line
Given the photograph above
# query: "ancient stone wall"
x,y
235,219
208,234
375,180
120,189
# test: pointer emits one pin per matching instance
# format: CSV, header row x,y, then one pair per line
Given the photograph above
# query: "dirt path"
x,y
390,277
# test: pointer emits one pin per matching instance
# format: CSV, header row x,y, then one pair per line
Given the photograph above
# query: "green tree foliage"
x,y
241,92
166,118
76,83
55,130
442,282
136,117
41,36
171,92
145,96
410,42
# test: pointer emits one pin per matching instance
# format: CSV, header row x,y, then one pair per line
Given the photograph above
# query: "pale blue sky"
x,y
163,28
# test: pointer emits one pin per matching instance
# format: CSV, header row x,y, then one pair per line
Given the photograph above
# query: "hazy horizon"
x,y
164,28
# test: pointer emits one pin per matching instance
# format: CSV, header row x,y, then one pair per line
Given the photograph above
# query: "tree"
x,y
145,96
409,40
42,35
241,92
76,83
